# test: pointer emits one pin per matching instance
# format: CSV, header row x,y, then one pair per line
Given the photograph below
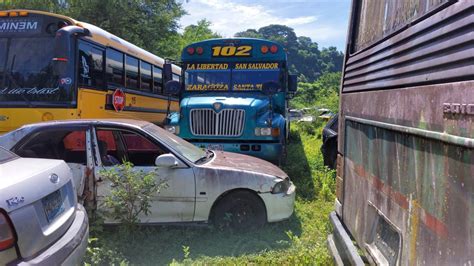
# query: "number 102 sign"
x,y
228,51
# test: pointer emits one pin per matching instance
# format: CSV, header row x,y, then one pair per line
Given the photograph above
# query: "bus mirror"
x,y
292,83
270,87
172,87
167,72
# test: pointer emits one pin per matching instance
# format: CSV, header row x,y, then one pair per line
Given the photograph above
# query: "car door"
x,y
175,202
66,143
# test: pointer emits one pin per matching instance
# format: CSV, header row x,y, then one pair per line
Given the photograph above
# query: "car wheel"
x,y
240,210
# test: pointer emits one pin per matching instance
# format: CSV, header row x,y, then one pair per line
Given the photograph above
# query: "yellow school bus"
x,y
53,67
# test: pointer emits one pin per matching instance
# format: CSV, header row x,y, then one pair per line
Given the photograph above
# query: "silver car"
x,y
41,222
202,185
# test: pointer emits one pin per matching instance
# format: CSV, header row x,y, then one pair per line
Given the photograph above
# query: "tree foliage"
x,y
195,33
150,24
323,93
153,25
304,55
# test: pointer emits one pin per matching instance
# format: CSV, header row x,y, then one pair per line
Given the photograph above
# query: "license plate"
x,y
215,147
53,205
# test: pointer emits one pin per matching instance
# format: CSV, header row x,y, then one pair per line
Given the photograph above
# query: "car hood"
x,y
236,161
24,181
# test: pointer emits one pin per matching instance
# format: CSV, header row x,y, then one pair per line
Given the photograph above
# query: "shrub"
x,y
131,193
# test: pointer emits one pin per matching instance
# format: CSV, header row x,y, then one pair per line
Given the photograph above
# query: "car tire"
x,y
239,210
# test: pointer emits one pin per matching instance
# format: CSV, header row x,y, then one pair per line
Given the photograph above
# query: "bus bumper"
x,y
268,151
340,244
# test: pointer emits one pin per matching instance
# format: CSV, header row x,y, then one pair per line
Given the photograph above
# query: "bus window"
x,y
157,80
90,65
114,68
131,74
145,76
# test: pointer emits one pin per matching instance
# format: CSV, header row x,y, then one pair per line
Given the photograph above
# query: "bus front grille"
x,y
226,123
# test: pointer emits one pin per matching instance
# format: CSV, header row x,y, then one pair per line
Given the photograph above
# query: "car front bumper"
x,y
279,206
70,248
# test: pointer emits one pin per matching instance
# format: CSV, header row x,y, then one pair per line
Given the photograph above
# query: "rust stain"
x,y
414,224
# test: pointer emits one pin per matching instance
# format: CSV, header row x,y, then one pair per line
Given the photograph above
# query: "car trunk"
x,y
41,210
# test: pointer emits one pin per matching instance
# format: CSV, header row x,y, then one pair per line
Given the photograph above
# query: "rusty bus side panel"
x,y
406,142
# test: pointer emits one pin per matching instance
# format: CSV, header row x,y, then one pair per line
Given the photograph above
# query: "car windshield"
x,y
182,147
6,155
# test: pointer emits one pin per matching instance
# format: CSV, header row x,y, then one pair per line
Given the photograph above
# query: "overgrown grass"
x,y
299,241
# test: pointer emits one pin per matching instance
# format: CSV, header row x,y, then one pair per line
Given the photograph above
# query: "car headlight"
x,y
282,186
263,131
172,129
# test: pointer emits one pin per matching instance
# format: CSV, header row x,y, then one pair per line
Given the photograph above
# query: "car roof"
x,y
108,121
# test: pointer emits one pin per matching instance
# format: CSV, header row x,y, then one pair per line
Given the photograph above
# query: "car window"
x,y
6,156
333,123
116,146
108,148
67,145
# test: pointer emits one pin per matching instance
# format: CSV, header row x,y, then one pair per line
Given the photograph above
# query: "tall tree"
x,y
304,56
250,33
44,5
150,24
195,33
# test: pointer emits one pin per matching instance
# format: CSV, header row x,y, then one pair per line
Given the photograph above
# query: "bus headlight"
x,y
263,131
172,129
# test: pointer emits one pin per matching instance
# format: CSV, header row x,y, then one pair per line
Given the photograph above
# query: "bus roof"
x,y
255,52
106,38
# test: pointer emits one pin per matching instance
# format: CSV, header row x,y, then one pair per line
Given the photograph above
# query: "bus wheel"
x,y
239,210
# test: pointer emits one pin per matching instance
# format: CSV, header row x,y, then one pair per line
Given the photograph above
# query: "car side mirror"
x,y
167,160
172,87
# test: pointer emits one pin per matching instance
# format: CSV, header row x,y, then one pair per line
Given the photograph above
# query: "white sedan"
x,y
41,222
202,185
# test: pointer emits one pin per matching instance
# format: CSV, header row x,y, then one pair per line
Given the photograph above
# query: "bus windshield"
x,y
28,74
230,77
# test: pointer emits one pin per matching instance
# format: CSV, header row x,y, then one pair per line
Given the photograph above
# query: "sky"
x,y
324,21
